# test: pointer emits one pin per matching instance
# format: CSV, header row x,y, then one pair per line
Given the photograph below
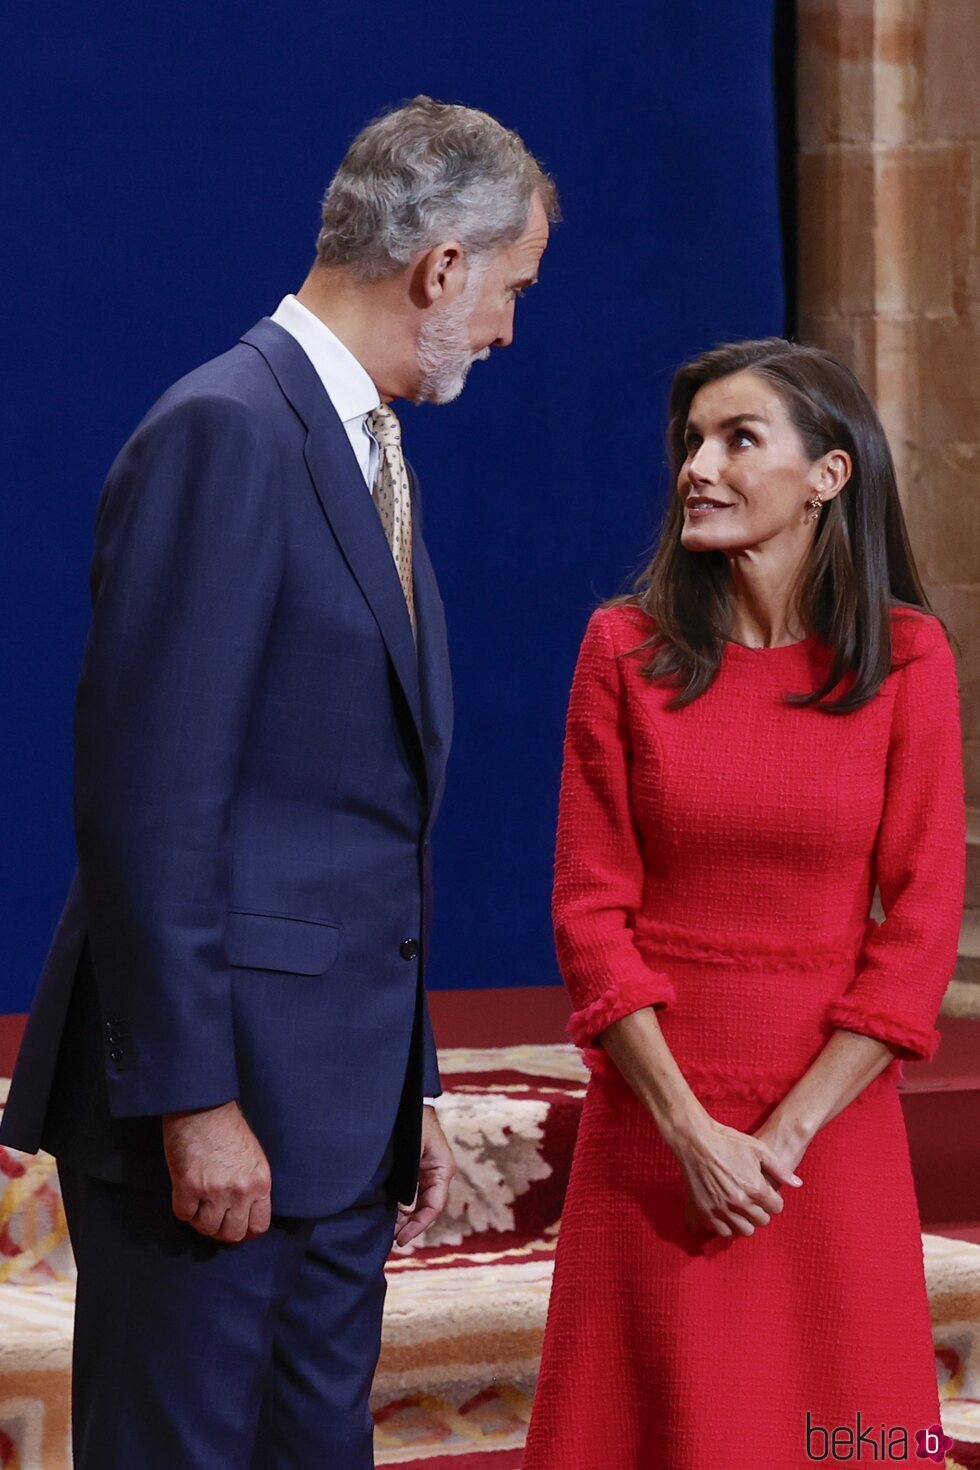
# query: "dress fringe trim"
x,y
586,1023
741,1084
885,1026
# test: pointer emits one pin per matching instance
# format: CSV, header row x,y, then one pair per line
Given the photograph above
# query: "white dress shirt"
x,y
348,387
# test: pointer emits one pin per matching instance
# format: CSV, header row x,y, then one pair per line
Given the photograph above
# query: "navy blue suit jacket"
x,y
260,756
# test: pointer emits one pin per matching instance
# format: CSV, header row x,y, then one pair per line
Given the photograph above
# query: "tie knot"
x,y
383,424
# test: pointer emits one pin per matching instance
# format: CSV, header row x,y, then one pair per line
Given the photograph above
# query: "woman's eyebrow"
x,y
730,423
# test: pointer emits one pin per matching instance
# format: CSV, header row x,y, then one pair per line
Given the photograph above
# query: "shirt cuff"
x,y
428,1102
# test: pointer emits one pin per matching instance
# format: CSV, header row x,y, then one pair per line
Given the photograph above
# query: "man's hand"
x,y
436,1171
221,1179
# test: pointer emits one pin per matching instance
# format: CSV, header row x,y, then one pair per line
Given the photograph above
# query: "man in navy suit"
x,y
230,1044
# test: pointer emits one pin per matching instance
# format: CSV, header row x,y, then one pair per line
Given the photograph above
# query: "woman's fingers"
x,y
734,1180
739,1225
756,1214
767,1199
783,1176
779,1172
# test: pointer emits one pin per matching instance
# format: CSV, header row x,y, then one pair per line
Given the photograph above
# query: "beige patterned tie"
x,y
392,496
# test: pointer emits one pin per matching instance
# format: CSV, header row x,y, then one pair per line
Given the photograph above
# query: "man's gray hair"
x,y
427,172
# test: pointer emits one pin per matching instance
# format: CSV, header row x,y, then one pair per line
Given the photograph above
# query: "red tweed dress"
x,y
719,862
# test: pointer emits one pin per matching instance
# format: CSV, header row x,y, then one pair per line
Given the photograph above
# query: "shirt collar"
x,y
350,389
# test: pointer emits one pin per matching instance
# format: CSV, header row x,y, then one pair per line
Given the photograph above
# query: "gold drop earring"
x,y
814,506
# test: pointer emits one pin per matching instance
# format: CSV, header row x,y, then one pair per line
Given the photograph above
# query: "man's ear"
x,y
441,273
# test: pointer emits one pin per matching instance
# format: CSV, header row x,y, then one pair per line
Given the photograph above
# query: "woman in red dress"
x,y
762,735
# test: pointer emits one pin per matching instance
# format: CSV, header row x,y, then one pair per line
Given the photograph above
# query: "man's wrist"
x,y
428,1102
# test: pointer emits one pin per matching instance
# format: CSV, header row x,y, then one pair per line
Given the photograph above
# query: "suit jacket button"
x,y
116,1053
409,949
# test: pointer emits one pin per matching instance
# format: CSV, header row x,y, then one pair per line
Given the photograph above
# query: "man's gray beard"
x,y
444,354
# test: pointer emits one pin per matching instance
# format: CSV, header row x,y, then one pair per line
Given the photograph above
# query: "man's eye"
x,y
743,434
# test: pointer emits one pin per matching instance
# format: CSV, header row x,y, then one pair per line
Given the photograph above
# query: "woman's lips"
x,y
698,508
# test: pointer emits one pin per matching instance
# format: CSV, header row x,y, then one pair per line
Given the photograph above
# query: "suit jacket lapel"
x,y
346,502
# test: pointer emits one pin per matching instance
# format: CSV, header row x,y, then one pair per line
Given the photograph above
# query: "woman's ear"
x,y
834,472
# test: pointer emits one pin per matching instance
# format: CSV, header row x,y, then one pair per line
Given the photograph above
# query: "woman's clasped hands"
x,y
734,1178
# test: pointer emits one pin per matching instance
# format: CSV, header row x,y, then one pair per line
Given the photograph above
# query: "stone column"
x,y
889,263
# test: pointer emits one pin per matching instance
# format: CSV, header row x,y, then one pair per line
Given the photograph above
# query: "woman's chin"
x,y
697,538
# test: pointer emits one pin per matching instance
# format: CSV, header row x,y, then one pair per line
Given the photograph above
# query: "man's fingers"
x,y
402,1217
236,1222
208,1217
234,1226
426,1215
259,1218
416,1225
437,1194
185,1202
428,1206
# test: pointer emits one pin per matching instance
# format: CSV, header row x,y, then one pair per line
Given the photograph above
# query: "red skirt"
x,y
808,1342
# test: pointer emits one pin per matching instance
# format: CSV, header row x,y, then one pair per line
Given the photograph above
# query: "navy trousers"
x,y
191,1353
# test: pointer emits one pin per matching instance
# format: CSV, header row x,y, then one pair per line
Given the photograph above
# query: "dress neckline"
x,y
743,650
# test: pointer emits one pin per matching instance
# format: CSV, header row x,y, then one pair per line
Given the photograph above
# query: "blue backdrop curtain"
x,y
162,169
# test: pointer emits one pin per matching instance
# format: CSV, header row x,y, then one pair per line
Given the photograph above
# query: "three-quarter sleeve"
x,y
598,862
907,960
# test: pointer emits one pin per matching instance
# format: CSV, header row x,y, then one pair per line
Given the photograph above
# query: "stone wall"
x,y
889,260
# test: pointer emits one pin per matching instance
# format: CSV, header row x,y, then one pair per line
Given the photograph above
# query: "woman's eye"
x,y
743,436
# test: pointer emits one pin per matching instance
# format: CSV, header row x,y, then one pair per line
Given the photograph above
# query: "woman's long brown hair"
x,y
861,564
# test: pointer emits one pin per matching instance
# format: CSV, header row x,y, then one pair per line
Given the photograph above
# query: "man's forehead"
x,y
524,254
536,232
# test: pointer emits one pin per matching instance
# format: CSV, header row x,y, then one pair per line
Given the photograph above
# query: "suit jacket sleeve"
x,y
598,863
907,960
185,580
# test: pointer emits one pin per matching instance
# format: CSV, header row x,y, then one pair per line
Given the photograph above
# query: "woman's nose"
x,y
700,466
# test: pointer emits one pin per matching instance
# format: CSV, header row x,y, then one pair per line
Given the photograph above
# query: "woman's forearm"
x,y
637,1046
843,1069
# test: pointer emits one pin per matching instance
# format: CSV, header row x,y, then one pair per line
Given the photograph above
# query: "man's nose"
x,y
506,334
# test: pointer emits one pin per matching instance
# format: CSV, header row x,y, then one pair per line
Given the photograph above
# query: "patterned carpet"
x,y
466,1305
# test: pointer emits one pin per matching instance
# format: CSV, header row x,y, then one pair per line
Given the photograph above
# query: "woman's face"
x,y
746,478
